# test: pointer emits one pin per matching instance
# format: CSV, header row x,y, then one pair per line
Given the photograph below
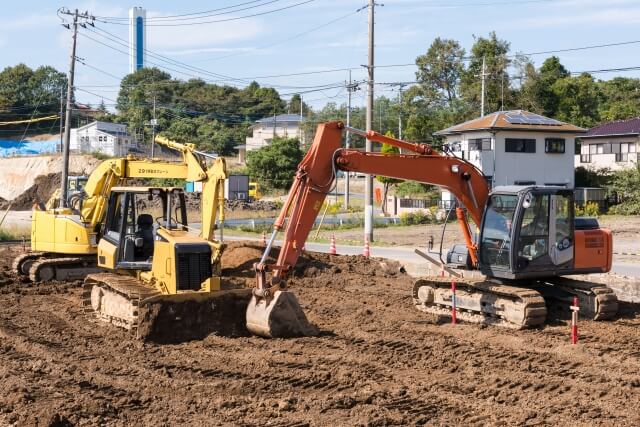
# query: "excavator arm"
x,y
273,312
193,167
315,177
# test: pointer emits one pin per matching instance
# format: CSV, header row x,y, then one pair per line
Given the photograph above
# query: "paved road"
x,y
415,264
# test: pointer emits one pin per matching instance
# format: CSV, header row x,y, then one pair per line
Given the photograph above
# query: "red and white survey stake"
x,y
453,302
574,321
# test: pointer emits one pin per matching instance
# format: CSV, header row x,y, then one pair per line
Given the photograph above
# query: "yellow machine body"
x,y
60,231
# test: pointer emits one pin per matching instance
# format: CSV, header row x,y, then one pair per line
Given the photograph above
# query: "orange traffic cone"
x,y
264,239
332,246
366,252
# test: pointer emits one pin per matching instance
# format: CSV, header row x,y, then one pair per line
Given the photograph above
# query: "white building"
x,y
137,38
613,145
517,147
111,139
284,125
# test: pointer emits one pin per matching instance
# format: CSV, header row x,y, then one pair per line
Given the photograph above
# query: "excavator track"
x,y
46,268
481,301
596,301
23,262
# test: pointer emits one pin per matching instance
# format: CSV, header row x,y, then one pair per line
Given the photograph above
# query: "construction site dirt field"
x,y
378,361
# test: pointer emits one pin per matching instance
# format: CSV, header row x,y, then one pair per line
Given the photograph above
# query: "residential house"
x,y
264,130
516,148
613,145
111,139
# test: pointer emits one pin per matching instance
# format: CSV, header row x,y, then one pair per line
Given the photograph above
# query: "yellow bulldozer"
x,y
134,244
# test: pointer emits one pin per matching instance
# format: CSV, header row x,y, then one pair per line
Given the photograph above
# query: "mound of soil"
x,y
40,192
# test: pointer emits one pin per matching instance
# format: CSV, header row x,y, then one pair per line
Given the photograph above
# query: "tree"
x,y
102,107
578,100
550,72
275,165
136,95
494,51
626,186
621,98
293,106
440,69
385,180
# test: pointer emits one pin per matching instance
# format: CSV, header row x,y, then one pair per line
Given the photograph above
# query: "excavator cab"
x,y
134,214
528,232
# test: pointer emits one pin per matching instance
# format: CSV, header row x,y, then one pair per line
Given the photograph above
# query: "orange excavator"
x,y
527,242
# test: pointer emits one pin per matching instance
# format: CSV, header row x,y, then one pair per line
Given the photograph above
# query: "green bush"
x,y
590,209
274,165
414,218
626,185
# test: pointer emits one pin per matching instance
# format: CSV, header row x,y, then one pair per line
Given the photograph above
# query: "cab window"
x,y
534,230
496,232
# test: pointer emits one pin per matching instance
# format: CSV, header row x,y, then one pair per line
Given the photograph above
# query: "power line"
x,y
180,16
332,21
218,20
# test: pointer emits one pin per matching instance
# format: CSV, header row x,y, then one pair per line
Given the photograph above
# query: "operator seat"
x,y
145,232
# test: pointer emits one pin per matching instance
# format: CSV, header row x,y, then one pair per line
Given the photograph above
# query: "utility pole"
x,y
300,140
400,111
61,118
483,75
368,186
154,122
72,67
351,87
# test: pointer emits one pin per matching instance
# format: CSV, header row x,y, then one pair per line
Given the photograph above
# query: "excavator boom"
x,y
315,178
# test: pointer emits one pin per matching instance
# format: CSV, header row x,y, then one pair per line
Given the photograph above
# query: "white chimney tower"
x,y
137,39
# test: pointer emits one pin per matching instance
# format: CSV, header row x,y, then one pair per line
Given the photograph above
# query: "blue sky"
x,y
267,45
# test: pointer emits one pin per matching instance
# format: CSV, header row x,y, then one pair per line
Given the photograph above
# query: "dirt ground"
x,y
377,362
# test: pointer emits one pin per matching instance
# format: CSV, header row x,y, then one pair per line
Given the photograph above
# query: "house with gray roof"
x,y
612,145
264,130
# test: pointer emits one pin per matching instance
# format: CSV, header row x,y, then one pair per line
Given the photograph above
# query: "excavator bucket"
x,y
278,317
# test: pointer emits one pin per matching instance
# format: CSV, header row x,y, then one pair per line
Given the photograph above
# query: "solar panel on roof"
x,y
530,119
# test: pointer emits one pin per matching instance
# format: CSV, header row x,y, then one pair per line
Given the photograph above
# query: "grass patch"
x,y
14,234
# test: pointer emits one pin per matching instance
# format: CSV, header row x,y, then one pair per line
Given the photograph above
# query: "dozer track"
x,y
129,303
115,298
481,301
596,301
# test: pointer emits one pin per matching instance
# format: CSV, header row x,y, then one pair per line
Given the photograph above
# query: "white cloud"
x,y
593,18
202,36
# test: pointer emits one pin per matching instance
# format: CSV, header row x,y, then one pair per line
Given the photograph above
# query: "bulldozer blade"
x,y
278,317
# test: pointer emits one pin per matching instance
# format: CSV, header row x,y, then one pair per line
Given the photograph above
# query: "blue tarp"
x,y
27,148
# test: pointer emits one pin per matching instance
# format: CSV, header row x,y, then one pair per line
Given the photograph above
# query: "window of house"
x,y
455,146
625,149
554,145
480,144
517,145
